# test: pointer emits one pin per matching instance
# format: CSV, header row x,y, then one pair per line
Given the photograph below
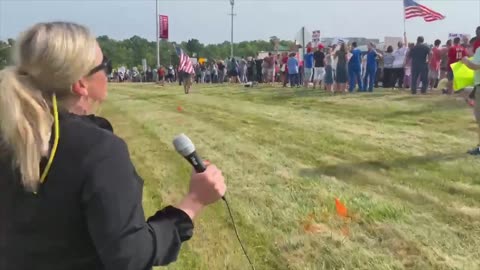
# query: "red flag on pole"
x,y
163,27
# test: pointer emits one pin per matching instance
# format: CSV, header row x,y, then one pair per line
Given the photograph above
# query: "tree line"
x,y
130,52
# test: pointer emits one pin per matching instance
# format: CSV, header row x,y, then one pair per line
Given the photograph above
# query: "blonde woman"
x,y
69,194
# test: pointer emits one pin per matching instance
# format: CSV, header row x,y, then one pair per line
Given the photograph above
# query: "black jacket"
x,y
88,213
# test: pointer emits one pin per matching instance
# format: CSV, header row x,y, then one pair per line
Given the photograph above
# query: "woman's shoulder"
x,y
85,122
87,135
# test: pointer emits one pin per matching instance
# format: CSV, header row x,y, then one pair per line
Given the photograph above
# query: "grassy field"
x,y
396,161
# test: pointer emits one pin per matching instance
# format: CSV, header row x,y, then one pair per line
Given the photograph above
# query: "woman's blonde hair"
x,y
49,58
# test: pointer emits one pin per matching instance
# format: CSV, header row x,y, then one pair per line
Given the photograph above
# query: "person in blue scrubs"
x,y
355,68
371,70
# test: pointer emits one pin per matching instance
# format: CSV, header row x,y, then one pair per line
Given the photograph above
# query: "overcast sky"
x,y
256,19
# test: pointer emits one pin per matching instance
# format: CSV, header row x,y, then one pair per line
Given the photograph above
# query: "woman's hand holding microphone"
x,y
205,188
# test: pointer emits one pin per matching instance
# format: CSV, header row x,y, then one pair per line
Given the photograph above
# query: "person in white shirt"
x,y
399,63
364,66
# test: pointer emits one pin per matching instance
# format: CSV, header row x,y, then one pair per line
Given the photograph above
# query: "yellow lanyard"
x,y
55,142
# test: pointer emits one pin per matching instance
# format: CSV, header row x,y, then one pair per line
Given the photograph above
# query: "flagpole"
x,y
158,33
404,20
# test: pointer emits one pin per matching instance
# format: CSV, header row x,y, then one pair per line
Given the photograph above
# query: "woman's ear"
x,y
80,88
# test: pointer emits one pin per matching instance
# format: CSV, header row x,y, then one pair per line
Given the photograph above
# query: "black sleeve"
x,y
112,202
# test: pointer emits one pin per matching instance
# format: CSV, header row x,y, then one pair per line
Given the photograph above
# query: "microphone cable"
x,y
236,232
184,146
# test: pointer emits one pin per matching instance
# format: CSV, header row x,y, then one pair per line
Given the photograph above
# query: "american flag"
x,y
414,9
185,62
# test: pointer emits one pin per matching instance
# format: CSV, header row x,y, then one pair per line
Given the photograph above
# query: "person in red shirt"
x,y
476,44
161,75
434,65
444,61
455,54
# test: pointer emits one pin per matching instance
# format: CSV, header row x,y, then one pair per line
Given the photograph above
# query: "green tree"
x,y
5,51
194,46
130,52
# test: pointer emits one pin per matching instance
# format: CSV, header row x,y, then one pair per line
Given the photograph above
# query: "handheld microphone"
x,y
185,147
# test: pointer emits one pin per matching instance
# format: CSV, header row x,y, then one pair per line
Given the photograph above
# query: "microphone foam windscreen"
x,y
183,145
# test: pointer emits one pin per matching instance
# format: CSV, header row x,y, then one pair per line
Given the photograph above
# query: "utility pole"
x,y
158,33
303,41
232,3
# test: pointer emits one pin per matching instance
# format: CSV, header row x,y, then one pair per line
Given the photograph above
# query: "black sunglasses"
x,y
106,66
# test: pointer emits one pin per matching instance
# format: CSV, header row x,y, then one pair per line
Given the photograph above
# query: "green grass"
x,y
396,161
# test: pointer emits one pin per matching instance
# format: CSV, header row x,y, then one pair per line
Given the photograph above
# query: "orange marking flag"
x,y
341,209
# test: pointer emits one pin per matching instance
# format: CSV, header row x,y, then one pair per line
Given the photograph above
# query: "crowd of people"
x,y
337,68
341,68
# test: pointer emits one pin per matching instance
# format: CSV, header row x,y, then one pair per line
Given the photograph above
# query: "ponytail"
x,y
25,124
